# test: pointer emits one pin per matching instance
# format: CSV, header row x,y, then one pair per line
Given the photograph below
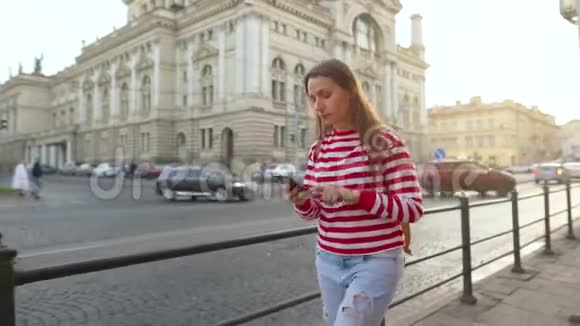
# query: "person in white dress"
x,y
21,179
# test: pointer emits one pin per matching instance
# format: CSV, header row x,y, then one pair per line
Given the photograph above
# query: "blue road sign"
x,y
439,154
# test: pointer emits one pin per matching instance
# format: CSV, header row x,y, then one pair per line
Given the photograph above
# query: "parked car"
x,y
196,182
107,170
68,169
280,172
572,170
459,175
520,169
553,171
85,169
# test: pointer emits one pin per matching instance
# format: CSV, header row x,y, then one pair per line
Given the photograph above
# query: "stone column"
x,y
394,90
178,76
82,115
156,75
44,155
191,94
68,151
266,61
252,53
97,108
387,102
240,56
114,96
133,91
221,92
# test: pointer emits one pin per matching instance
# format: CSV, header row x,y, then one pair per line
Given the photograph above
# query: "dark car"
x,y
196,182
453,176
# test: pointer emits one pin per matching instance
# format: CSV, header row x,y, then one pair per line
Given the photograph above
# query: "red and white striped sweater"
x,y
390,194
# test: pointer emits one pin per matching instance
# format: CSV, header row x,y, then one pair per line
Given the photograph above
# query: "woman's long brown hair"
x,y
367,121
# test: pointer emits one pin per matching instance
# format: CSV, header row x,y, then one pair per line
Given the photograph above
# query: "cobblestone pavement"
x,y
548,293
209,288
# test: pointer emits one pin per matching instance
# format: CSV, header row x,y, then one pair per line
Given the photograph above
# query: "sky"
x,y
497,49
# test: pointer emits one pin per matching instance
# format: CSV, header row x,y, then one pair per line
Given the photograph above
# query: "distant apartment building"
x,y
212,81
570,140
499,134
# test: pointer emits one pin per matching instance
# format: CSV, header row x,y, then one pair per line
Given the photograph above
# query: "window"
x,y
299,92
278,80
207,138
89,108
106,105
146,95
124,112
71,116
365,33
145,142
207,85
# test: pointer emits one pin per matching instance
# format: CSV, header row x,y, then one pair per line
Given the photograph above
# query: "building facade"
x,y
499,134
570,140
212,81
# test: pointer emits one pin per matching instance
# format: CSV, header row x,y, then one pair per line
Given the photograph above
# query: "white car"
x,y
106,170
281,171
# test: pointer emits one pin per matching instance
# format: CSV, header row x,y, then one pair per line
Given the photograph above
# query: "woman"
x,y
361,186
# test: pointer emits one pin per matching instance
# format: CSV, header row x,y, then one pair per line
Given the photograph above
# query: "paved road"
x,y
205,289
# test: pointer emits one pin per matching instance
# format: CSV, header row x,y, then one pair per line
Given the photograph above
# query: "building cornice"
x,y
409,56
26,80
130,31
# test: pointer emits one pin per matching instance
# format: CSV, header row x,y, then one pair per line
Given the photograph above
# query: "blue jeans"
x,y
357,290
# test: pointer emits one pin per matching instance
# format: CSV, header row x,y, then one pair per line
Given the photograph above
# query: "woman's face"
x,y
330,102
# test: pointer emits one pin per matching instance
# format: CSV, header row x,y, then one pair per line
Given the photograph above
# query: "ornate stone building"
x,y
499,134
212,80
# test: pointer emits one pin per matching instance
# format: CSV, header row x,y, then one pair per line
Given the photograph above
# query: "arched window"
x,y
299,92
365,33
207,85
124,112
146,95
278,80
105,104
89,108
180,139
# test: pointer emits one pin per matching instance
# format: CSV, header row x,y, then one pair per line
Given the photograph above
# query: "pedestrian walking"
x,y
20,179
36,184
361,186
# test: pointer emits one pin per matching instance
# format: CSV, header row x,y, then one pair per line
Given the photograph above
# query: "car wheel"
x,y
168,194
221,194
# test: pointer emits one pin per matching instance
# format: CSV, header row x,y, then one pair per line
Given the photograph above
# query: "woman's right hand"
x,y
298,196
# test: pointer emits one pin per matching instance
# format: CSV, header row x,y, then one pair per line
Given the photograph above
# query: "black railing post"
x,y
467,296
570,234
516,234
7,311
548,235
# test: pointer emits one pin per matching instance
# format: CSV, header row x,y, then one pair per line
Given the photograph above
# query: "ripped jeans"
x,y
357,290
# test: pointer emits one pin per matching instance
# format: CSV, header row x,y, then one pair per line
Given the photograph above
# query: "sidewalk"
x,y
548,293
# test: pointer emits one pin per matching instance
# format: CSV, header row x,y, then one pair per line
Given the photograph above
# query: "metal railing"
x,y
10,277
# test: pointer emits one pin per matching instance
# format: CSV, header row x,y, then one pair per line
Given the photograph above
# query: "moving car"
x,y
196,182
553,171
463,175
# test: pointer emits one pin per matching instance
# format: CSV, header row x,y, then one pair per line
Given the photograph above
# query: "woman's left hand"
x,y
332,194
